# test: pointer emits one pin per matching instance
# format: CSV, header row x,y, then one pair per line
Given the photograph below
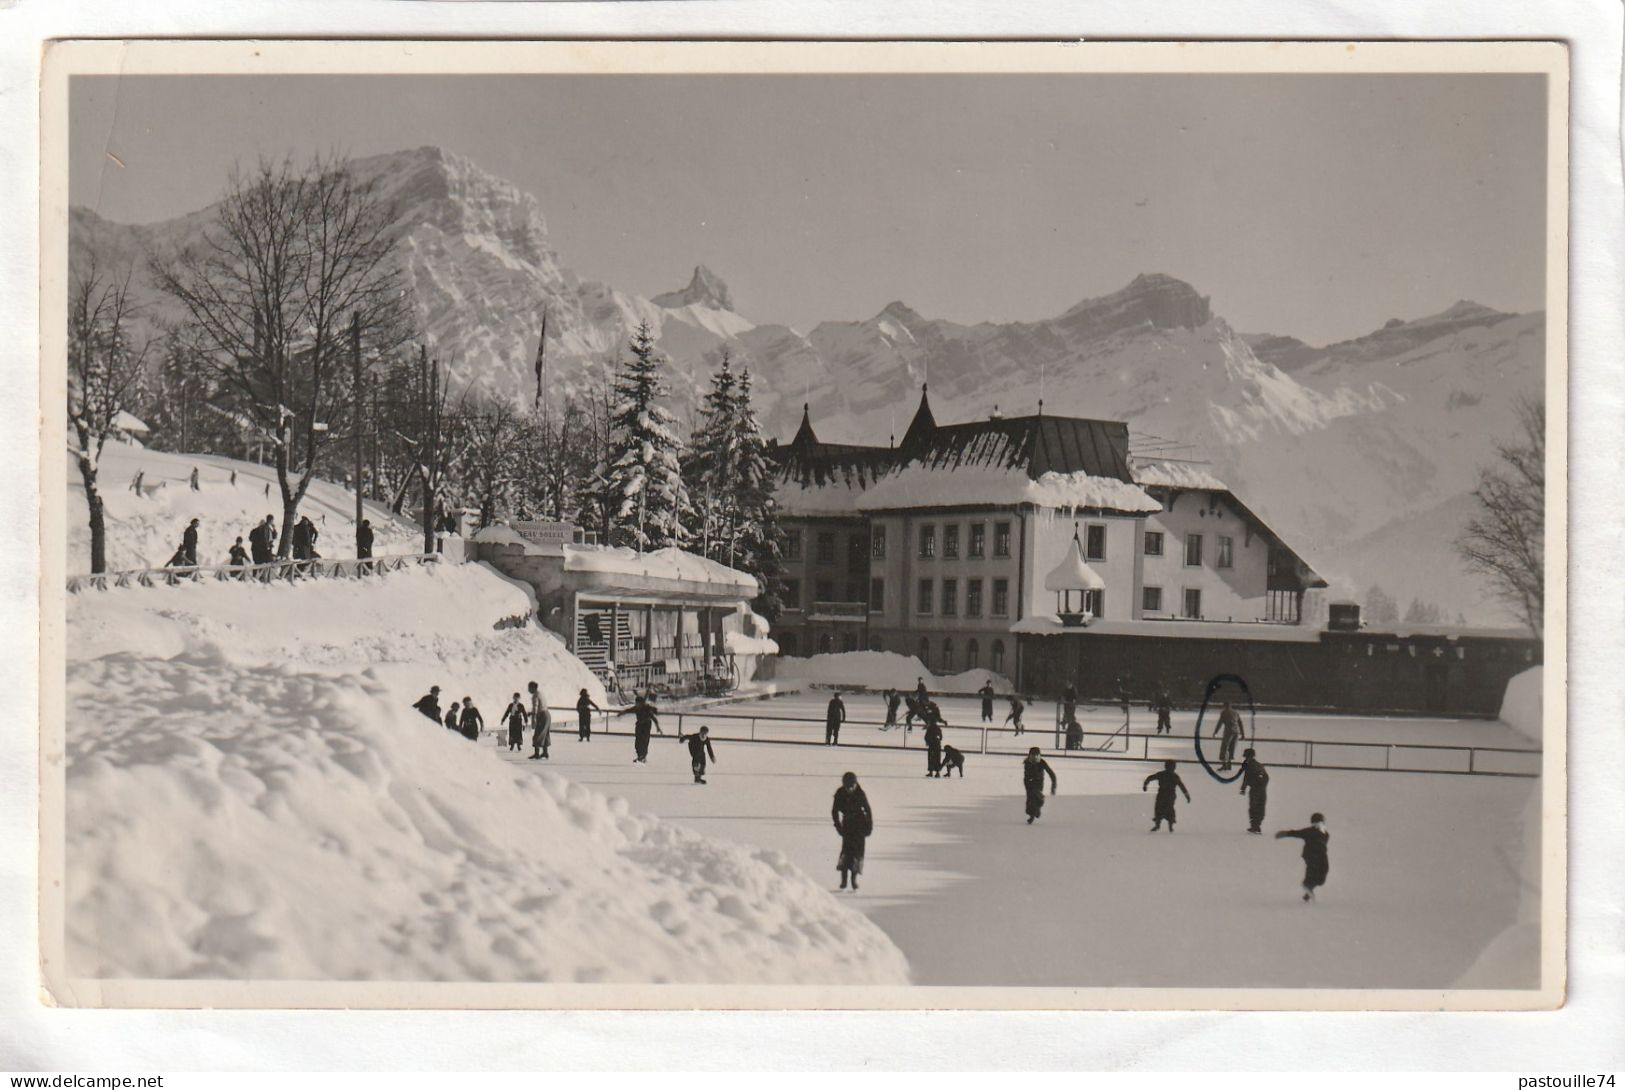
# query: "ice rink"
x,y
1434,878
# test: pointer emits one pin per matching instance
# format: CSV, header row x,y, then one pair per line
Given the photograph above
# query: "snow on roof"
x,y
498,534
916,485
1072,573
128,421
836,497
1176,475
670,563
1049,625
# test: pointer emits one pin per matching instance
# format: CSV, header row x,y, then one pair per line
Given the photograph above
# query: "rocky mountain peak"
x,y
705,289
1150,299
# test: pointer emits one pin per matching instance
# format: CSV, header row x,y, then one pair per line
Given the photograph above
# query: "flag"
x,y
541,357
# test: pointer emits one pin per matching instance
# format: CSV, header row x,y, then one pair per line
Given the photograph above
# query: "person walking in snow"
x,y
1033,771
1255,784
195,487
363,540
238,556
854,821
834,716
1016,708
234,478
986,693
135,482
300,546
1163,705
1167,782
584,709
429,704
189,543
262,540
699,748
471,722
952,759
515,717
646,717
541,723
453,720
1316,865
1230,724
933,750
894,700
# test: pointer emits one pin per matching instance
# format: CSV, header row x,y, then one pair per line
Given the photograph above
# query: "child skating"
x,y
1315,863
1167,782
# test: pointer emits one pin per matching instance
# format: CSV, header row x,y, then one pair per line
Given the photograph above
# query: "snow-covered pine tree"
x,y
645,469
756,532
709,470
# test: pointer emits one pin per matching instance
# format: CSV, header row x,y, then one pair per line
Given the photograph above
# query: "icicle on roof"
x,y
1072,573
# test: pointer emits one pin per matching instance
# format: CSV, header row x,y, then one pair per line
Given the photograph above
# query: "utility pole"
x,y
356,420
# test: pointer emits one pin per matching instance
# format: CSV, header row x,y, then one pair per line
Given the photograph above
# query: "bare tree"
x,y
295,254
489,452
104,370
1506,540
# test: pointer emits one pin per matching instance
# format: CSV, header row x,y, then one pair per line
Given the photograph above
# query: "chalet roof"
x,y
1036,444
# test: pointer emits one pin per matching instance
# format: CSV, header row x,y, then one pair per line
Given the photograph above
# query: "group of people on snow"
x,y
262,540
520,714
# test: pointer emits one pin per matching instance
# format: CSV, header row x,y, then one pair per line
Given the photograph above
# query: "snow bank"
x,y
143,531
670,563
250,796
1522,705
879,670
917,485
1176,475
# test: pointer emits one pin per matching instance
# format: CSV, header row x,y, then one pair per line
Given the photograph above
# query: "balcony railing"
x,y
846,611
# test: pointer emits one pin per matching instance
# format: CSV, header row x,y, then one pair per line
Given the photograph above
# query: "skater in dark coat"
x,y
952,759
1255,784
1315,863
699,748
933,750
894,701
471,722
1164,707
1074,734
920,693
1167,782
453,720
584,709
986,693
363,540
1016,708
541,722
1230,724
1069,703
189,541
515,718
854,820
916,710
262,541
429,703
834,716
647,718
1033,771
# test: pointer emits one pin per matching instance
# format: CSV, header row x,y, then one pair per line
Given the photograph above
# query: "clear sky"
x,y
1318,206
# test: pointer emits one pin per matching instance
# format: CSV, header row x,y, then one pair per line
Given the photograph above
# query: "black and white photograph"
x,y
823,525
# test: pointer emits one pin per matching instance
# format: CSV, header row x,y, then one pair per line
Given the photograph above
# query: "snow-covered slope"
x,y
250,796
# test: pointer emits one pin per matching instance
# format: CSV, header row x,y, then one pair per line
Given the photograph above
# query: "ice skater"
x,y
916,710
584,709
472,722
952,759
515,718
1167,782
1164,707
699,748
1016,708
854,821
986,693
1230,724
541,721
834,716
1255,784
1315,864
1033,771
894,700
1074,733
1069,703
933,750
646,718
429,704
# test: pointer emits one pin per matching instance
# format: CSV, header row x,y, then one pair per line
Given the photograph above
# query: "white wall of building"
x,y
1237,592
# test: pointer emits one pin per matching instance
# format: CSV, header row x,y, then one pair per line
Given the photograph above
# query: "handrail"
x,y
288,570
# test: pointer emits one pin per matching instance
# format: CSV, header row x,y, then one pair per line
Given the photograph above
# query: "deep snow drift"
x,y
143,531
879,670
249,795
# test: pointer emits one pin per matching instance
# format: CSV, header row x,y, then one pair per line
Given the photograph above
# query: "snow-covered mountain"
x,y
1373,439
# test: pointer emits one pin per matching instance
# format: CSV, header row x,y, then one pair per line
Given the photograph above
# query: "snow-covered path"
x,y
1434,879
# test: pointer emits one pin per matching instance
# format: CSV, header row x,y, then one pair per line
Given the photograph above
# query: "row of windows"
x,y
929,601
824,548
823,590
975,543
1151,601
1193,549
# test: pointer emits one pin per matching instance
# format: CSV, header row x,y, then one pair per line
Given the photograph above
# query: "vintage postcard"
x,y
798,525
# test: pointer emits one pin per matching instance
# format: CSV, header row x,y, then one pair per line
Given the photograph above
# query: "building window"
x,y
1001,597
950,597
978,540
823,591
996,662
973,597
826,548
928,542
826,643
877,596
792,545
1153,543
1094,602
1193,603
877,543
788,643
1094,546
1193,550
973,654
922,605
950,542
947,656
1001,539
1151,600
854,592
792,594
857,553
1226,551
